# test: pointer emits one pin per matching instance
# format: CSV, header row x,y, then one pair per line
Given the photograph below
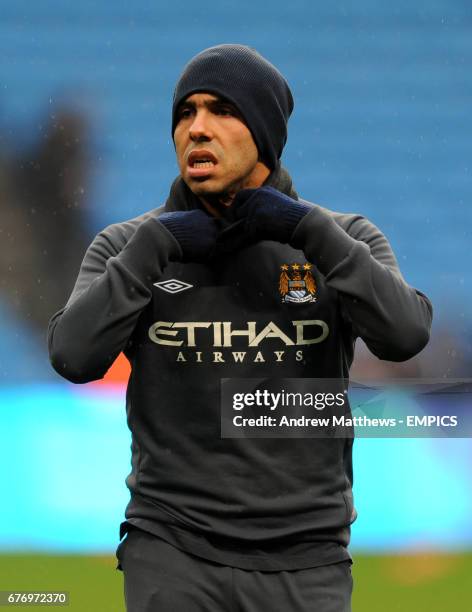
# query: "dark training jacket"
x,y
267,504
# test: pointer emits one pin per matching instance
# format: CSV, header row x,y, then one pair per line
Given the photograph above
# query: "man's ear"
x,y
266,165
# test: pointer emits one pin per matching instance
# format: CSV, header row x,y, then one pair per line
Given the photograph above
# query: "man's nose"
x,y
200,128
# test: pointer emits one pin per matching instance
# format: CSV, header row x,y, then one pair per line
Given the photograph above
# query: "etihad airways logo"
x,y
221,334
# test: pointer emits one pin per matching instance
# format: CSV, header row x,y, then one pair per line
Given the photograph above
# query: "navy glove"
x,y
268,213
194,230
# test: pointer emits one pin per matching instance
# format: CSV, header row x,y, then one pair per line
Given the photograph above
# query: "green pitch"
x,y
430,582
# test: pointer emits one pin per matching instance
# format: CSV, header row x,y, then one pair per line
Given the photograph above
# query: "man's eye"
x,y
185,113
226,111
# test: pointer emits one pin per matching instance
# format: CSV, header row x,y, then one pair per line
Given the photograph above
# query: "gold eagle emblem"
x,y
296,283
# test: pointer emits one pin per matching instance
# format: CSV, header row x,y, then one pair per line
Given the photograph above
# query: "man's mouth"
x,y
201,158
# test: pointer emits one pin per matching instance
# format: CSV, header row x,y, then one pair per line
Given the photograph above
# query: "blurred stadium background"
x,y
381,126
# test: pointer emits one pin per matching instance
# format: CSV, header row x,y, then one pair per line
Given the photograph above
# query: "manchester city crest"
x,y
296,283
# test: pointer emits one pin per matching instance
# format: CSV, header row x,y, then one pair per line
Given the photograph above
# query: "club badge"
x,y
296,283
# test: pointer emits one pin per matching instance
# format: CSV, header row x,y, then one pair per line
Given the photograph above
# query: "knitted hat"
x,y
245,78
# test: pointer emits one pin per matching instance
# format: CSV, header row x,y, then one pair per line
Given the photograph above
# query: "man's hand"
x,y
268,213
194,230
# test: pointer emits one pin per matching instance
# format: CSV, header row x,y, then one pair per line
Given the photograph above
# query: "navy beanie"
x,y
245,78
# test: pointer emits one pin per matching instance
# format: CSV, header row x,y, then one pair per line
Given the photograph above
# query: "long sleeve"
x,y
392,318
113,287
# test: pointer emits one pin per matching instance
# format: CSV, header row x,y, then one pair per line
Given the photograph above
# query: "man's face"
x,y
216,153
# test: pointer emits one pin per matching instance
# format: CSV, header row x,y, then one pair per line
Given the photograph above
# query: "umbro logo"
x,y
173,285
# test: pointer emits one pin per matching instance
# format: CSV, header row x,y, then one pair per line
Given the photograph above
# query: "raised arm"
x,y
113,287
392,318
355,258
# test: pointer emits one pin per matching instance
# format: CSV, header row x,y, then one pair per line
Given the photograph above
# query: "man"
x,y
235,277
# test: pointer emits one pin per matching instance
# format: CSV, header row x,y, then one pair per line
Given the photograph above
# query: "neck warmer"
x,y
182,198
